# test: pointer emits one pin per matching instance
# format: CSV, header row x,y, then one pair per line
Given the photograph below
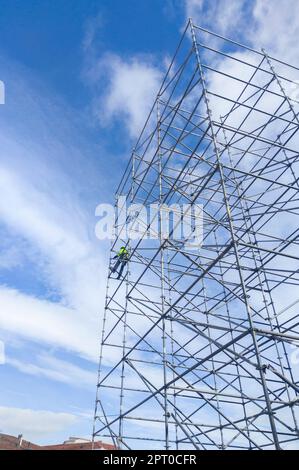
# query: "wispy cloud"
x,y
34,424
222,16
276,27
263,23
124,87
131,89
59,233
55,369
47,323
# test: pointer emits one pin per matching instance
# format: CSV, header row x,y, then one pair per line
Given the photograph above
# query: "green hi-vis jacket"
x,y
123,253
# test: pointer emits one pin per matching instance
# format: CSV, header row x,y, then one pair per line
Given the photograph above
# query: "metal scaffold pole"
x,y
200,334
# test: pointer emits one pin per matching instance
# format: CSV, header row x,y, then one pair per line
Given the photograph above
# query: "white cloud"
x,y
34,424
222,16
277,27
124,88
130,93
47,322
60,234
271,24
57,370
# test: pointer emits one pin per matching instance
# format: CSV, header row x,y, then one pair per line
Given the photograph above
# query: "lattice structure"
x,y
198,347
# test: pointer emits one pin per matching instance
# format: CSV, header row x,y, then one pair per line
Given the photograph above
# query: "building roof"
x,y
98,445
8,442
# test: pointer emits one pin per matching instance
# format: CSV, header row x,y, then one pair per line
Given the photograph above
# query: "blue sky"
x,y
80,76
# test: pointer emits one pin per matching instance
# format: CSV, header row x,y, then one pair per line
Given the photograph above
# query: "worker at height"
x,y
122,257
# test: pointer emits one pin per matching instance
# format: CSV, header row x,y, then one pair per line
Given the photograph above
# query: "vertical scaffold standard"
x,y
199,343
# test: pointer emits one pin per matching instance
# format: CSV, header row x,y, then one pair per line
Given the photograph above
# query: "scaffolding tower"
x,y
199,343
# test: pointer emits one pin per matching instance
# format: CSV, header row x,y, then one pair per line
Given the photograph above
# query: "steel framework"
x,y
198,346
